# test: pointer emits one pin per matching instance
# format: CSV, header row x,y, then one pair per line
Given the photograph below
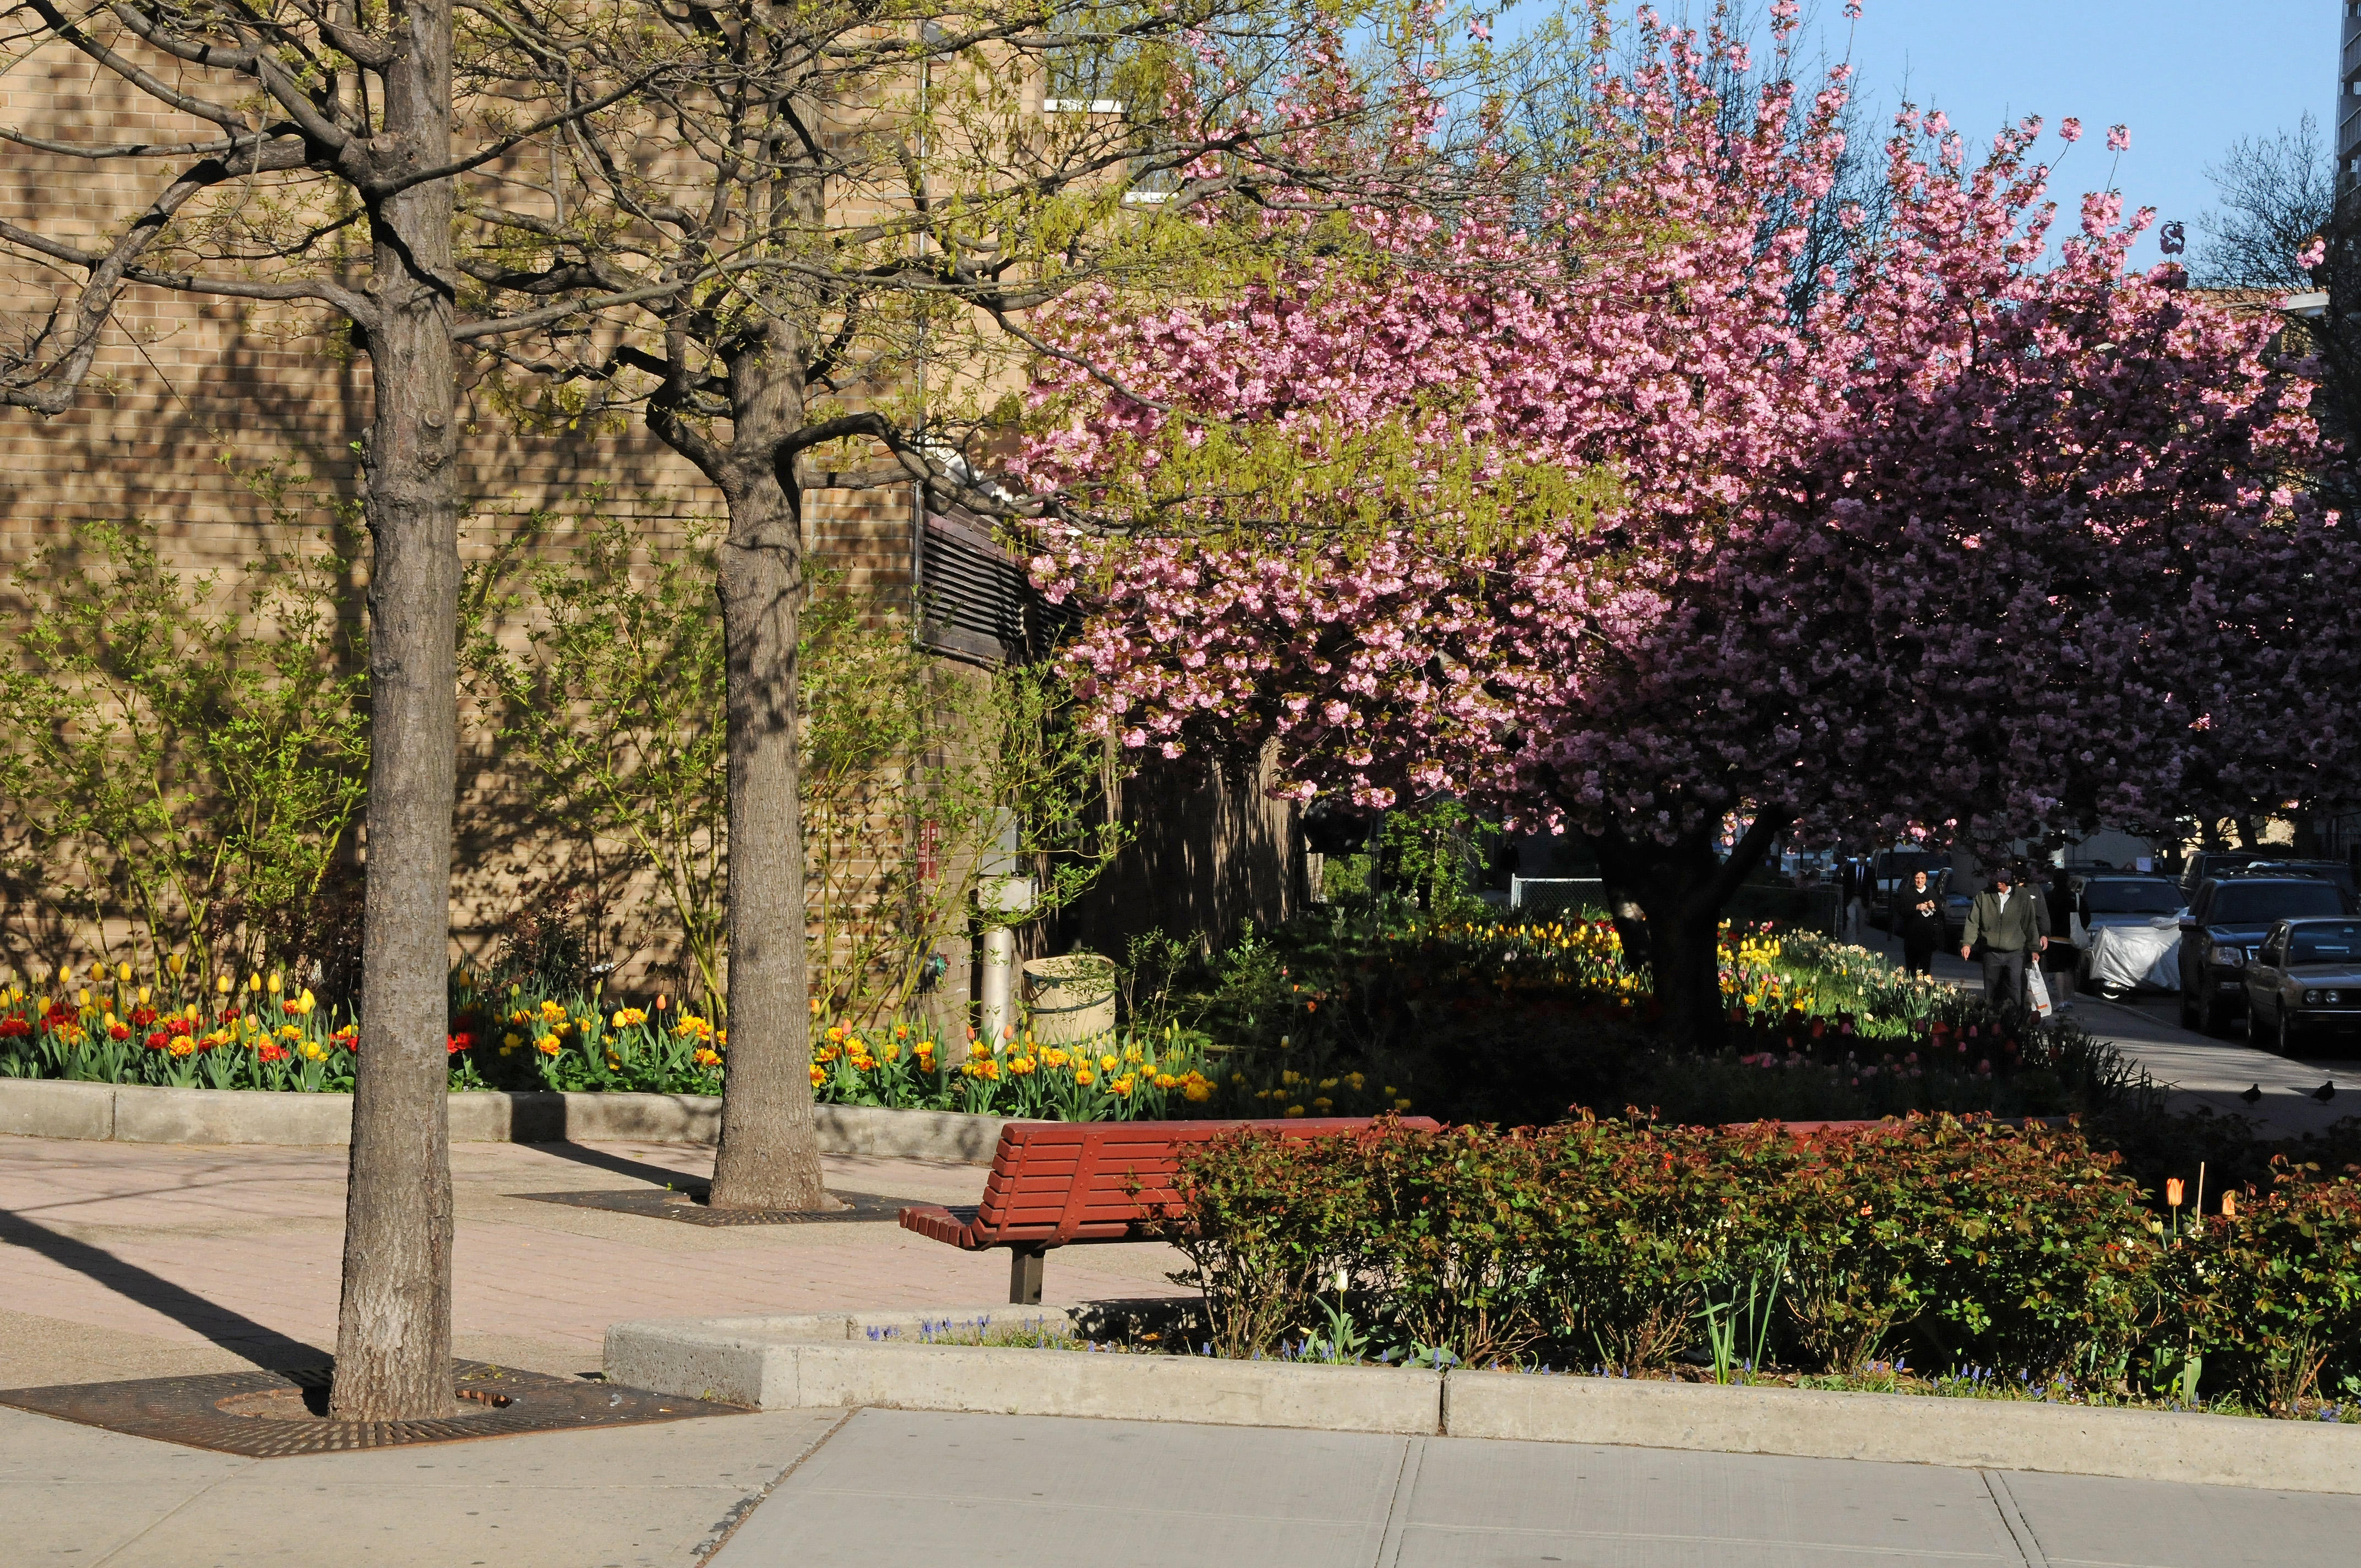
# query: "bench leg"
x,y
1025,1276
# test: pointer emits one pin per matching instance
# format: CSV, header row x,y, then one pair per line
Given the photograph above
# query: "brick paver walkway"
x,y
121,1260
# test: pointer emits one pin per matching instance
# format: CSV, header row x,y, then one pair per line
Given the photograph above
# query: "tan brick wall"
x,y
189,396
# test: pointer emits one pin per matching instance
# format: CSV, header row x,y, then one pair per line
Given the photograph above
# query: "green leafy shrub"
x,y
1455,1222
2268,1301
1645,1220
181,756
1615,1243
912,772
1266,1225
1987,1244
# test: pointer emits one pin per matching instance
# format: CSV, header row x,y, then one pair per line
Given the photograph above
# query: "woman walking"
x,y
1918,912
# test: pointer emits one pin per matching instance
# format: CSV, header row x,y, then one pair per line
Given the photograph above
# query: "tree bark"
x,y
1681,887
394,1329
769,1157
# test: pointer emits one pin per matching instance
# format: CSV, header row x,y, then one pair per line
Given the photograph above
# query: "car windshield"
x,y
2324,944
2261,901
2132,898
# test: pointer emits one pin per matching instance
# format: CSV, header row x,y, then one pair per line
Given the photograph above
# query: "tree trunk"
x,y
769,1157
393,1330
1681,887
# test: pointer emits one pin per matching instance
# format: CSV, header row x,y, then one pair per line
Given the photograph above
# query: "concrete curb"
x,y
860,1358
47,1108
1991,1434
760,1362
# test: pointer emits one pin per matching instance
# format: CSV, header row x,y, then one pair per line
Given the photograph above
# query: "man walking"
x,y
2013,926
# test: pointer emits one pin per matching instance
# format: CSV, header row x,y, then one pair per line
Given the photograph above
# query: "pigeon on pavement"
x,y
2252,1095
2325,1092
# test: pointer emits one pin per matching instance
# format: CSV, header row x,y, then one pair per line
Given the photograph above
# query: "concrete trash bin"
x,y
1072,997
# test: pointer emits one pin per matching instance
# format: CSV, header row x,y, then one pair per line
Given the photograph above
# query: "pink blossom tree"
x,y
1596,516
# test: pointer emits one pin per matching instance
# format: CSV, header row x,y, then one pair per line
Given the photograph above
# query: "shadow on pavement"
x,y
624,1165
225,1326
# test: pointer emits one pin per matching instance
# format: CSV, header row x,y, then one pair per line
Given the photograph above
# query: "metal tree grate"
x,y
273,1415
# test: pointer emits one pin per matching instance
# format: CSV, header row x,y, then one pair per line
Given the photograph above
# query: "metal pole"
x,y
999,990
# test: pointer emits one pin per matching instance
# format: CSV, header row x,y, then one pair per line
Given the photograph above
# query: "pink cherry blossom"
x,y
1936,539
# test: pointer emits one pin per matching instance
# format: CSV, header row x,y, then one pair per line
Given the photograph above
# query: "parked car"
x,y
2336,871
2226,922
1957,902
2107,902
2305,979
2202,868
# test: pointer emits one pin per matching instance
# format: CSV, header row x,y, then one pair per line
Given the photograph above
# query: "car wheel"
x,y
2188,1012
2278,1046
2209,1014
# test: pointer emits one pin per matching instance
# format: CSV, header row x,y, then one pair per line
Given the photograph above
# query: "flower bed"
x,y
1516,1021
102,1027
1510,1023
2009,1260
98,1025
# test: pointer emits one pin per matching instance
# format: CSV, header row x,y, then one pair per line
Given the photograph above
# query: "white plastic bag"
x,y
2038,988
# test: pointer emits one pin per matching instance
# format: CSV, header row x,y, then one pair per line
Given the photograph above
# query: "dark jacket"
x,y
1918,916
2014,929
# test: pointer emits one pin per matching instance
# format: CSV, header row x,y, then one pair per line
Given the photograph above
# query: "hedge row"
x,y
1949,1243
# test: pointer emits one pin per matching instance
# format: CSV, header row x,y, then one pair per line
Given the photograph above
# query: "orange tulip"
x,y
2172,1190
2229,1205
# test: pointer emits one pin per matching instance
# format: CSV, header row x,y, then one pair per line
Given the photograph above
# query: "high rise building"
x,y
2348,98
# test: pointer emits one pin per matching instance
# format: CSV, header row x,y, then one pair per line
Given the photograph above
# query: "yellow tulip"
x,y
122,973
223,985
176,964
273,986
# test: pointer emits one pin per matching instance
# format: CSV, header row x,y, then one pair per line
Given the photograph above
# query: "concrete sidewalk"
x,y
893,1489
652,1497
900,1489
141,1260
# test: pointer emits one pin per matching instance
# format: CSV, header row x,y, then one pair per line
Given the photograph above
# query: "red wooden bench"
x,y
1060,1183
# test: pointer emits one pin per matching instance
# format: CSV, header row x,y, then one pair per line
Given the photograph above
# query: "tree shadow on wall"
x,y
1210,849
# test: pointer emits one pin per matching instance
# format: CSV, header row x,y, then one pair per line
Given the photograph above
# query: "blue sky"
x,y
2189,77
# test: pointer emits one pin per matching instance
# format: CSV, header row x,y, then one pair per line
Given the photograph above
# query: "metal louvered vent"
x,y
975,601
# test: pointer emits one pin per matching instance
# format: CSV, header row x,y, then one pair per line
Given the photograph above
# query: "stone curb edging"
x,y
54,1108
853,1359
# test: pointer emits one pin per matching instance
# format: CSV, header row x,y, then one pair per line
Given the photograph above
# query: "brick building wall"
x,y
192,401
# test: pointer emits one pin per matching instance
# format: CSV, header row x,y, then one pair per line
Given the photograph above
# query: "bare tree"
x,y
2277,192
783,237
806,253
297,126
